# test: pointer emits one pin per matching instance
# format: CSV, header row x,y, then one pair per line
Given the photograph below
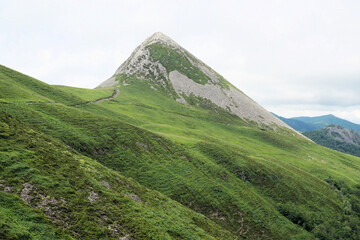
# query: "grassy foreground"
x,y
144,166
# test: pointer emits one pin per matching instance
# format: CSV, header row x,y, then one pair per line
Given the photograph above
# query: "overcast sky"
x,y
295,58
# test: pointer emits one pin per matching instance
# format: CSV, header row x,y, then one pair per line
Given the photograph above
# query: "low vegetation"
x,y
143,166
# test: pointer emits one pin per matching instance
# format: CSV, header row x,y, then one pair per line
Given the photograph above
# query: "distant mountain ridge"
x,y
304,124
323,121
298,125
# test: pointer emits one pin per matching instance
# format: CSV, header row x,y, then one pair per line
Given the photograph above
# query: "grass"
x,y
19,221
198,169
86,94
57,172
19,88
172,60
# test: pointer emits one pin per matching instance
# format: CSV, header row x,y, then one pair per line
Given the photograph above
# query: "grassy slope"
x,y
257,156
252,182
57,172
86,94
20,221
20,88
62,181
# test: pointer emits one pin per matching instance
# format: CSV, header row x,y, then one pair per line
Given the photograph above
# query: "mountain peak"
x,y
159,37
165,65
147,61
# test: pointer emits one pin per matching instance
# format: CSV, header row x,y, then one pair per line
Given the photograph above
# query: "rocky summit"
x,y
165,64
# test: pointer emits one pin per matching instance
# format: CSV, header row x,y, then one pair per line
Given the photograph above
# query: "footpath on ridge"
x,y
115,94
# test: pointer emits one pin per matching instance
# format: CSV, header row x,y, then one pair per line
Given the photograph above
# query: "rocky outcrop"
x,y
52,207
342,134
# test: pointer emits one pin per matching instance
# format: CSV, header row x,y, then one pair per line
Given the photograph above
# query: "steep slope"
x,y
337,138
323,121
168,67
48,191
273,171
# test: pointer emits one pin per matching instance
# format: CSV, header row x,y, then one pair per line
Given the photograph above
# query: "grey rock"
x,y
25,192
8,189
105,184
93,197
134,197
143,146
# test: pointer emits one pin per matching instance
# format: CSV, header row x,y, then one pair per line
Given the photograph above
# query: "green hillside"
x,y
157,169
52,191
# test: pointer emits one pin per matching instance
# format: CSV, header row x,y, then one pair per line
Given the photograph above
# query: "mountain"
x,y
134,161
337,138
323,121
298,125
168,67
304,124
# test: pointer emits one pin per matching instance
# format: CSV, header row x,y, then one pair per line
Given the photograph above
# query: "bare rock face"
x,y
141,63
186,75
232,99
